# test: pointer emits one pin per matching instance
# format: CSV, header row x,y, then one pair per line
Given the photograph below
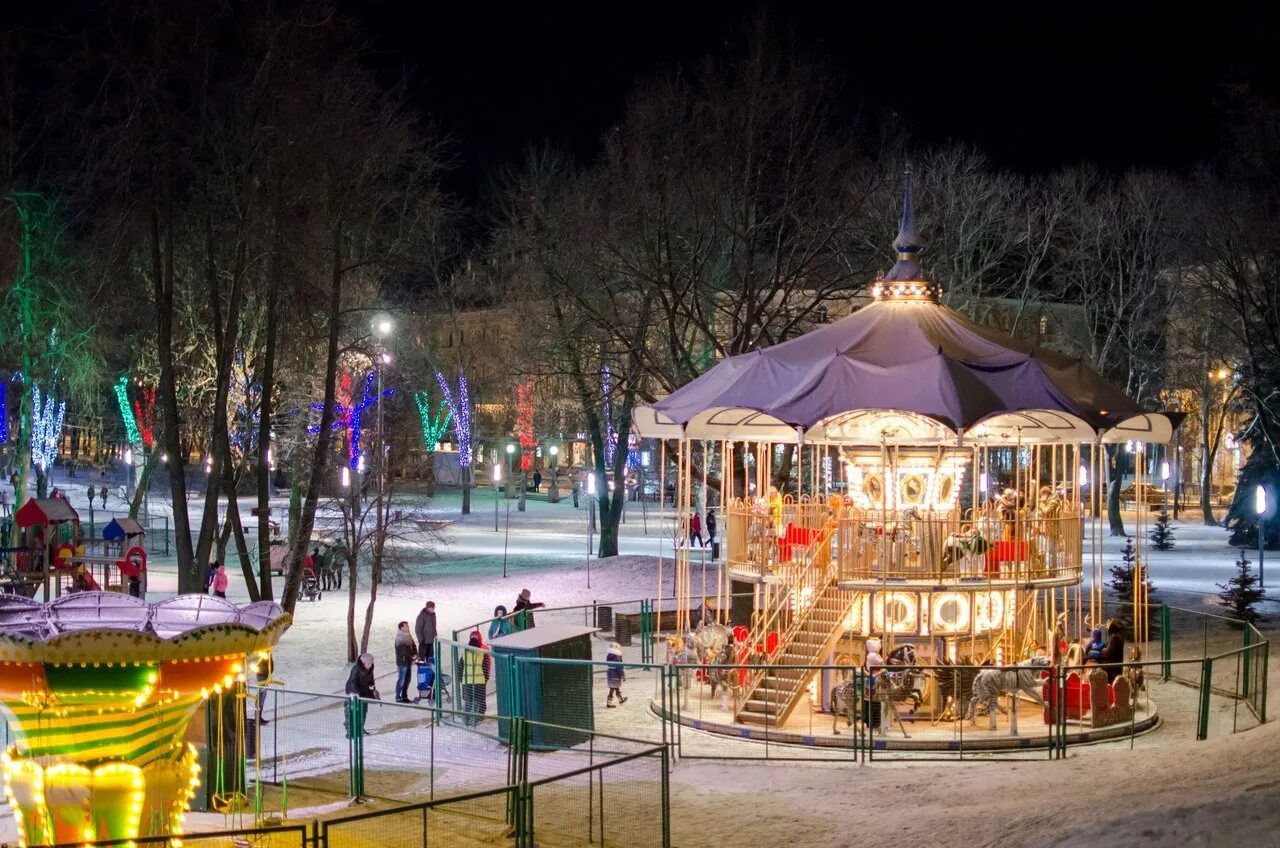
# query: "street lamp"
x,y
497,482
1164,485
591,519
1083,476
1260,504
553,491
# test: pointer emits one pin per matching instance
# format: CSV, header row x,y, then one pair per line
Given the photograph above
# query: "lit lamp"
x,y
1083,475
346,476
497,484
591,519
1260,504
1164,485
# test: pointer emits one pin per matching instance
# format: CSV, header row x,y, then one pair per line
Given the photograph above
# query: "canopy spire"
x,y
905,280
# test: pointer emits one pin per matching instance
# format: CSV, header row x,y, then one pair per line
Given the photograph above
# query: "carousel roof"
x,y
903,369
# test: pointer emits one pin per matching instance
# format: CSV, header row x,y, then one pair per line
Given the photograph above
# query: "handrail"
x,y
821,579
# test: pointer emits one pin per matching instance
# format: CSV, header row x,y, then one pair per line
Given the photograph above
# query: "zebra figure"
x,y
896,682
991,683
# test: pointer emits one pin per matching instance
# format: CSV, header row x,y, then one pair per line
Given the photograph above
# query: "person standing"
x,y
424,627
406,653
474,674
360,684
266,668
1113,654
537,480
220,580
501,624
695,529
615,674
574,489
711,527
524,610
92,494
103,495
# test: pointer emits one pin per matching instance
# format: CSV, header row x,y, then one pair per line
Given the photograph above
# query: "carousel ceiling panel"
x,y
649,423
1032,426
880,426
1149,427
739,424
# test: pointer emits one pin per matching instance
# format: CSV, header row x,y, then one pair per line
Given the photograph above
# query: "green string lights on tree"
x,y
434,426
131,431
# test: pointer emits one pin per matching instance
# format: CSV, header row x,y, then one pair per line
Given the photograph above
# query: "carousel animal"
x,y
721,673
894,683
910,678
954,687
990,683
844,697
959,548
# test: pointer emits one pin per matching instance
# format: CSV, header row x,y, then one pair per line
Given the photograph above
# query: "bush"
x,y
1241,594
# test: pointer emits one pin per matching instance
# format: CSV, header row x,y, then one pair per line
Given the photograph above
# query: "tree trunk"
x,y
1113,490
190,577
352,650
227,337
264,411
1206,468
466,490
149,461
320,457
242,548
429,479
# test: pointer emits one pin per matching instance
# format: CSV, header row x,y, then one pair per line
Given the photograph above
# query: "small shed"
x,y
555,693
42,520
127,531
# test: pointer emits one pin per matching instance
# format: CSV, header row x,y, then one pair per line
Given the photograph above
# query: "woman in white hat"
x,y
615,674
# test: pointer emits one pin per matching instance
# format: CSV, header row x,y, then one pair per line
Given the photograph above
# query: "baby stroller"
x,y
310,589
427,681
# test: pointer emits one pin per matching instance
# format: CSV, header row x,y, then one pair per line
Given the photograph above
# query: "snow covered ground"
x,y
1167,790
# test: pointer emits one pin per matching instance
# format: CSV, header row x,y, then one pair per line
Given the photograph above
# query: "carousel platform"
x,y
925,732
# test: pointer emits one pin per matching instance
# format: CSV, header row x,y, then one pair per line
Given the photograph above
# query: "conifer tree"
x,y
1241,595
1161,534
1122,581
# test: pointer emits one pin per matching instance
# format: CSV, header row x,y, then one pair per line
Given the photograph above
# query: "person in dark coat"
x,y
406,653
424,627
1113,653
537,480
525,606
615,674
361,684
711,527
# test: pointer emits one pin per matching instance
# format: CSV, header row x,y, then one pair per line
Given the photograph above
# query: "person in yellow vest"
x,y
775,509
473,675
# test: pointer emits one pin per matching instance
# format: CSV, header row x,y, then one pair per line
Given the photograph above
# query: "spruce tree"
x,y
1241,595
1161,534
1121,583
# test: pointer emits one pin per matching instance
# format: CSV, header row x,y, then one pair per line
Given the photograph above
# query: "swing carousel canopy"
x,y
902,370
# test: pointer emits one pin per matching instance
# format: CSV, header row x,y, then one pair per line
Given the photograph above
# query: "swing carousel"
x,y
904,478
98,689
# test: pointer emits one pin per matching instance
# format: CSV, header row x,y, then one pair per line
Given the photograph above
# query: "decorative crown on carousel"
x,y
98,688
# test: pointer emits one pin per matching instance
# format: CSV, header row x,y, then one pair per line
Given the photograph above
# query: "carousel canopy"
x,y
903,369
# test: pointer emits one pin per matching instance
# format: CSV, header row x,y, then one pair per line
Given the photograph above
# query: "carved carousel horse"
x,y
896,682
991,683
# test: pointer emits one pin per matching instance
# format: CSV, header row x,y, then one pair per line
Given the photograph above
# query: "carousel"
x,y
901,482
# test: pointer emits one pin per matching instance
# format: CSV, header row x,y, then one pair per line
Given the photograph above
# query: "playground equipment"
x,y
98,689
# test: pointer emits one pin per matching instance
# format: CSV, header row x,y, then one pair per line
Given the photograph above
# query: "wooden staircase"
x,y
808,614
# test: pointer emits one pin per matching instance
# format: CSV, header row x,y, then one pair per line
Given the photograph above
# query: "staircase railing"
x,y
811,573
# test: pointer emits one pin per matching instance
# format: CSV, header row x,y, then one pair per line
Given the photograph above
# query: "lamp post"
x,y
1164,486
497,484
511,452
553,491
1260,504
381,329
591,519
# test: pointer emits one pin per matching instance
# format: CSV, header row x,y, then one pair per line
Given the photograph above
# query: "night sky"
x,y
1035,92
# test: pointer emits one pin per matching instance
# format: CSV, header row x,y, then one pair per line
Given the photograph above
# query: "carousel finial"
x,y
905,280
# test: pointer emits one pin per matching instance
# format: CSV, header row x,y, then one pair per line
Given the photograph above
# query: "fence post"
x,y
1166,643
646,650
666,799
166,535
355,735
1262,684
1245,660
1206,681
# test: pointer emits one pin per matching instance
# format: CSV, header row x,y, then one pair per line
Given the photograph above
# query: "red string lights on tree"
x,y
524,424
144,413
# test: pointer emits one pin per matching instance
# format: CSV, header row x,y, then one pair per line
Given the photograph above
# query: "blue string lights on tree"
x,y
4,413
353,418
460,409
610,433
243,432
46,428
